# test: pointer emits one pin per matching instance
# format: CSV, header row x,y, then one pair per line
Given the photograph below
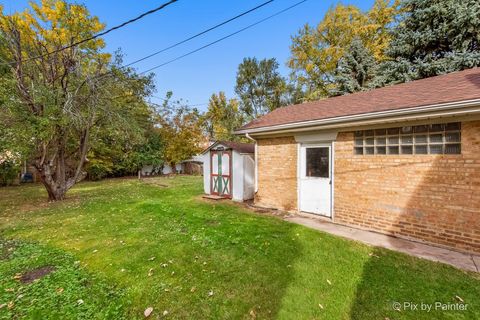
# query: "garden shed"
x,y
229,170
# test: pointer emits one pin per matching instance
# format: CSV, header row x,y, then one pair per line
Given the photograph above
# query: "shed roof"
x,y
452,87
237,146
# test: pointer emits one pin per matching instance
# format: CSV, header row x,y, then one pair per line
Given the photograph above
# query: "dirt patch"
x,y
33,275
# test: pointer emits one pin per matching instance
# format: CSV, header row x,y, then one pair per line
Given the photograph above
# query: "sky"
x,y
195,78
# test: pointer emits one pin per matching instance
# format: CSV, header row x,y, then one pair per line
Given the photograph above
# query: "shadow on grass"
x,y
397,286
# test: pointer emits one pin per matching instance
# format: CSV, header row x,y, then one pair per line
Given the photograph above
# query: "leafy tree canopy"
x,y
260,87
180,129
60,100
356,70
432,38
222,118
315,52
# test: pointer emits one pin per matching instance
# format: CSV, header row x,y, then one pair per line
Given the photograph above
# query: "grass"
x,y
120,246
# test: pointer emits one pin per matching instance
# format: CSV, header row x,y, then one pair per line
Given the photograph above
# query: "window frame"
x,y
403,140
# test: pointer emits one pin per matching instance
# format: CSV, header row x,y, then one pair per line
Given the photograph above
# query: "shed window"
x,y
420,140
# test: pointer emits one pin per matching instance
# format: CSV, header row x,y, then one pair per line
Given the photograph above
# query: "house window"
x,y
423,139
317,162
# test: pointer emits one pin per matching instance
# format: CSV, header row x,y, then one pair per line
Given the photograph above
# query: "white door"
x,y
315,181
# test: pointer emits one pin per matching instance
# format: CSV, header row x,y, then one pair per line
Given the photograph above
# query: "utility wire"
x,y
98,34
224,38
199,34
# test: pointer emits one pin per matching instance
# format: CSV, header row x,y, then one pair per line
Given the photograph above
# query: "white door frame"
x,y
330,145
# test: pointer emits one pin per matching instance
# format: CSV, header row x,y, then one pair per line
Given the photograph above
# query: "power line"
x,y
199,34
225,37
98,34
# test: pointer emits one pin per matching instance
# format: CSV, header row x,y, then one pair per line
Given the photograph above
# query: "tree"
x,y
260,87
62,97
222,118
356,70
432,38
180,129
315,52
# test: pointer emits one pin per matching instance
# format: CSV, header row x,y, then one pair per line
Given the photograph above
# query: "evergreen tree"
x,y
433,37
355,71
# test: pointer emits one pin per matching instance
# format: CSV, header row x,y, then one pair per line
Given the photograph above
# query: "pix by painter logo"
x,y
428,307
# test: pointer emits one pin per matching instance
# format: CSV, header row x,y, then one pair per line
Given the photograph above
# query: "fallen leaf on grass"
x,y
329,282
151,259
321,307
165,313
80,301
3,305
193,289
210,293
371,254
459,299
148,312
150,272
9,290
10,305
59,290
253,315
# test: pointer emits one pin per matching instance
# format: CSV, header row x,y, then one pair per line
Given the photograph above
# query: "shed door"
x,y
221,177
315,181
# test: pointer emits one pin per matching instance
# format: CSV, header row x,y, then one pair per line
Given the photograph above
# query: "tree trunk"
x,y
174,168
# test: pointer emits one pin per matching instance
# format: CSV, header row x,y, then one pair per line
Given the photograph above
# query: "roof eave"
x,y
458,108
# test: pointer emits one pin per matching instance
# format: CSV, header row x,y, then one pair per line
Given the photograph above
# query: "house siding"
x,y
277,173
432,198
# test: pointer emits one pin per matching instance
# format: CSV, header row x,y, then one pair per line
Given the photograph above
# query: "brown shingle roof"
x,y
237,146
452,87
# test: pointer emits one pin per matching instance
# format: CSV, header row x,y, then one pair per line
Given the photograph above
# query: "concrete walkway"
x,y
457,259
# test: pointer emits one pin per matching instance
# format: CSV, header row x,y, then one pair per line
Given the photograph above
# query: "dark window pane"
x,y
392,150
437,127
452,126
369,150
407,149
436,149
359,142
358,133
369,141
421,149
381,141
421,139
318,162
407,129
368,133
453,149
380,132
392,140
381,150
359,150
407,139
393,130
452,137
421,129
436,138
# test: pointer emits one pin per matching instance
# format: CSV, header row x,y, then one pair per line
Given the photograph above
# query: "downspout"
x,y
256,160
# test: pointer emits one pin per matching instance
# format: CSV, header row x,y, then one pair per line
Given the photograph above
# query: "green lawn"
x,y
119,246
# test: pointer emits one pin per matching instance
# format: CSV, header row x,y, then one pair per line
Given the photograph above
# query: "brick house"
x,y
402,160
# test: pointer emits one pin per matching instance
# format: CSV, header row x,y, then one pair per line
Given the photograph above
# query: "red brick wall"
x,y
277,173
426,197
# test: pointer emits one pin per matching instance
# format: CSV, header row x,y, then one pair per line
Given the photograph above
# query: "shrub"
x,y
8,173
98,169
